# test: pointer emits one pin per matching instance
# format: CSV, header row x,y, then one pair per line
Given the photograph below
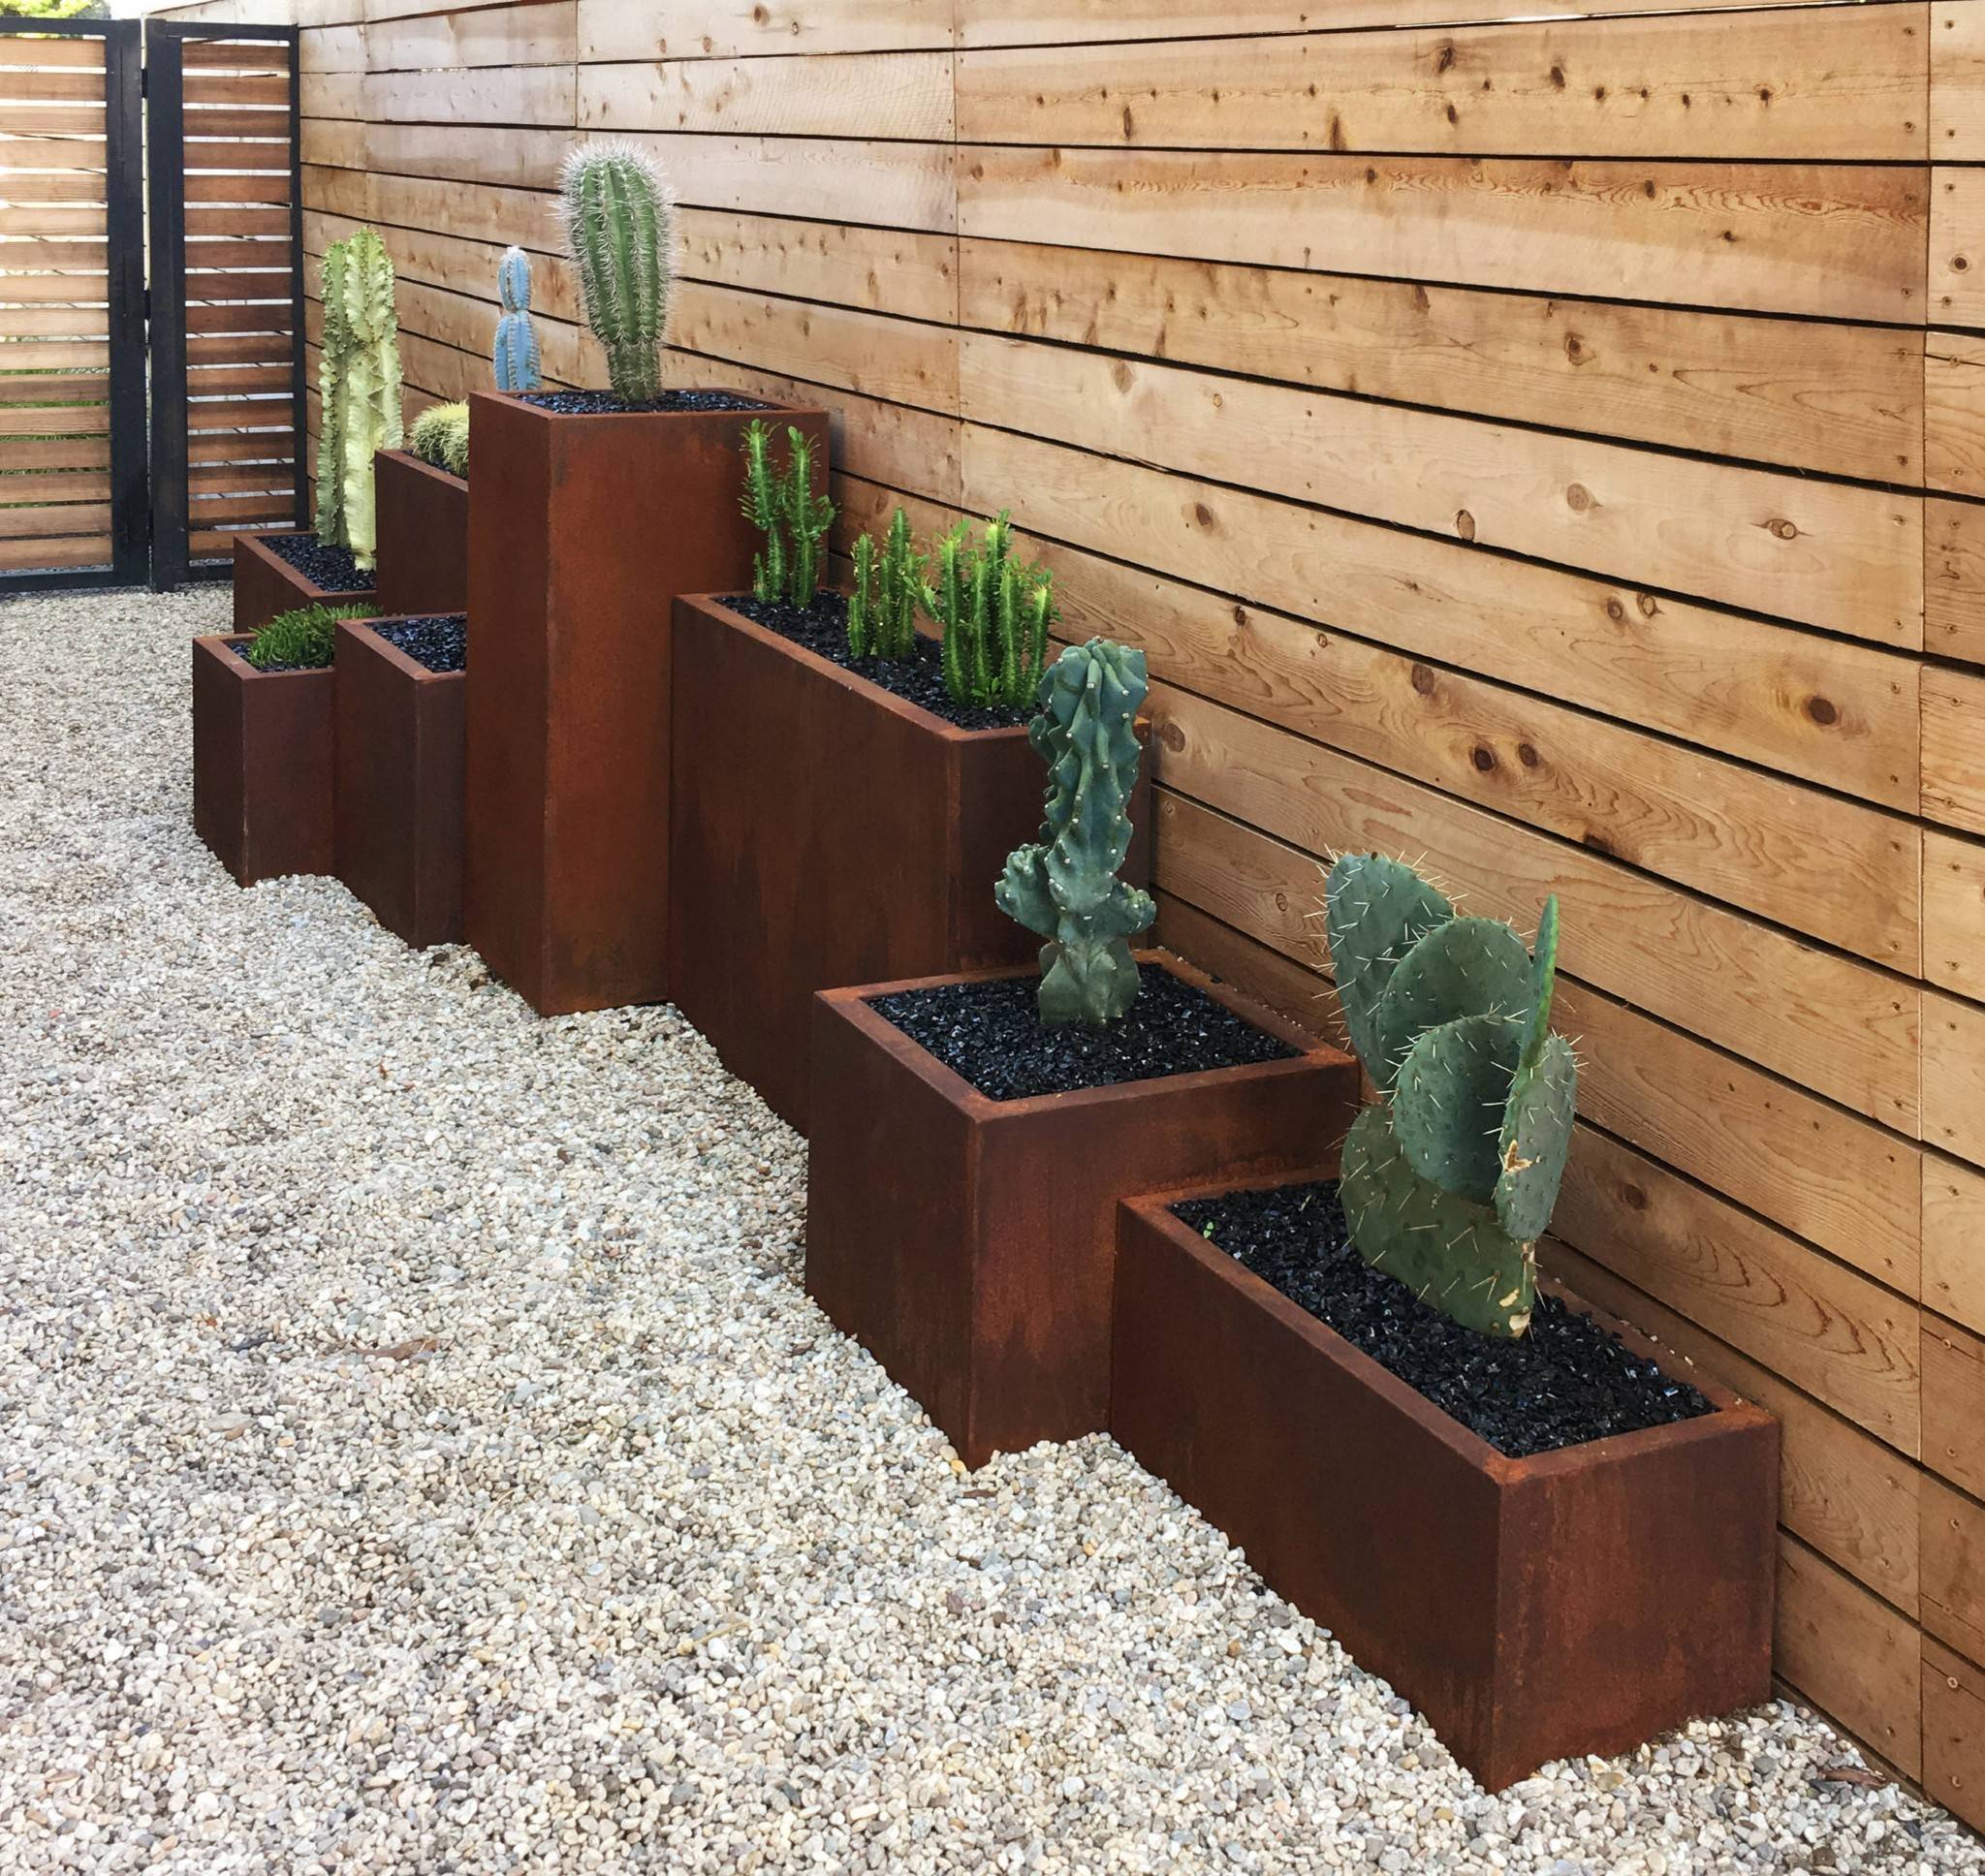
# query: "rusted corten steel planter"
x,y
1578,1601
399,790
857,843
969,1243
423,535
262,763
265,584
583,532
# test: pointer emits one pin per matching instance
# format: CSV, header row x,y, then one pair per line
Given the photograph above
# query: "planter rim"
x,y
412,462
384,648
221,646
1728,1408
257,543
856,1004
766,406
848,680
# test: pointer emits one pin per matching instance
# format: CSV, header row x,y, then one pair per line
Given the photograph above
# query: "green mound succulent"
x,y
995,614
1064,885
1450,1179
305,638
440,435
794,519
620,220
889,590
515,357
359,386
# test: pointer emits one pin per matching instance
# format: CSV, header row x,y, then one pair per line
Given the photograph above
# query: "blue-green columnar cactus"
x,y
793,518
1064,885
619,225
995,614
1450,1179
359,386
889,588
516,338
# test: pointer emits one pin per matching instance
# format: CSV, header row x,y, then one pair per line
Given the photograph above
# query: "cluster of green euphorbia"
x,y
358,382
302,638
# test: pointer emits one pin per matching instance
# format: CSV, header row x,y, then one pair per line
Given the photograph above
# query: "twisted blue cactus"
x,y
1064,885
515,357
1451,1178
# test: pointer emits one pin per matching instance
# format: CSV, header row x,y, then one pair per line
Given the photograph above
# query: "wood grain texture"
x,y
1954,912
1954,579
1952,1548
1953,749
1954,1241
1954,412
880,95
613,29
1851,1654
1957,246
1953,1384
1953,1770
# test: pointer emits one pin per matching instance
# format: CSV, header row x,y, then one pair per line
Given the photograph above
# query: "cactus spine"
x,y
515,356
995,614
620,226
1450,1179
784,507
359,386
882,613
1065,886
440,435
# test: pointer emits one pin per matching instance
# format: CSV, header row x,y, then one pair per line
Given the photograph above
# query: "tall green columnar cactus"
x,y
995,613
515,356
882,613
784,507
358,385
620,228
1064,885
1449,1180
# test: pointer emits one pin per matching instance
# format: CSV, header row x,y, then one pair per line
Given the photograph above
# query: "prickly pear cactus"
x,y
516,356
1064,885
1449,1181
620,224
359,390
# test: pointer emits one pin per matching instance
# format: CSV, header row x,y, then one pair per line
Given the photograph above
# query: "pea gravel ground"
x,y
416,1452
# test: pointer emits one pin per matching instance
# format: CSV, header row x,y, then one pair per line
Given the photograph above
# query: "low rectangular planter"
x,y
266,583
262,763
969,1243
584,531
856,842
399,790
1580,1601
424,536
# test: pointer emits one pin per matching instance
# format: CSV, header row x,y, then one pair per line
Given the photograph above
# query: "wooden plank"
x,y
1954,749
207,187
239,349
237,55
211,121
66,419
70,518
1954,1076
1957,246
53,289
331,94
1836,712
1954,412
240,414
1953,1566
81,55
1954,912
1846,557
53,388
895,94
1849,1653
509,158
84,153
520,94
1780,84
544,34
239,285
611,29
1831,398
1954,579
241,479
879,269
54,322
57,485
235,222
339,48
1838,241
39,453
236,88
1954,1733
42,120
1953,1384
53,355
21,86
898,185
1954,1241
17,186
471,210
277,446
55,554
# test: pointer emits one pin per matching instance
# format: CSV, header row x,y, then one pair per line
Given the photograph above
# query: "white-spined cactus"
x,y
359,389
1450,1179
440,435
620,220
514,358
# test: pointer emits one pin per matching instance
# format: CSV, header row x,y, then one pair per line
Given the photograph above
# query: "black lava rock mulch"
x,y
440,642
606,403
1565,1382
918,680
330,569
990,1032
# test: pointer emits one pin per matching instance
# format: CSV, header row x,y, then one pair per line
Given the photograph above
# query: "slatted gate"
x,y
144,421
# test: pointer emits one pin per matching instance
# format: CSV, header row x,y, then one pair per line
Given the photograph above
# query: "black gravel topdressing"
x,y
918,680
608,403
440,641
990,1033
330,569
1563,1383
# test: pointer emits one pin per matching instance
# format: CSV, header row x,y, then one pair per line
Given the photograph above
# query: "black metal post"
x,y
124,159
165,138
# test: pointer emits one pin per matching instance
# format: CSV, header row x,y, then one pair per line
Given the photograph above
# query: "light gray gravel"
x,y
416,1452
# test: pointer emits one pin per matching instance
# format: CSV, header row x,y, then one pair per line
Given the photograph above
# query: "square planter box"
x,y
262,763
266,583
969,1243
399,790
857,845
1577,1600
424,536
584,531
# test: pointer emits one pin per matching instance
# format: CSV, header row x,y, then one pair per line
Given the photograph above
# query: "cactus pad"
x,y
1448,1102
1536,1139
1468,967
1375,911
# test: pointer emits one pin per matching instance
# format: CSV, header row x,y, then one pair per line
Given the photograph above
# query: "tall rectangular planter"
x,y
424,536
584,531
399,790
266,583
262,763
969,1244
1580,1601
826,833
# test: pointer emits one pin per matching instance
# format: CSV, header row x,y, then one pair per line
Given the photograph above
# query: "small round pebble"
x,y
438,641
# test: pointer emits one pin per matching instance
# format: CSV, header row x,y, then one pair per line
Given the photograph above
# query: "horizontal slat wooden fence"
x,y
1556,449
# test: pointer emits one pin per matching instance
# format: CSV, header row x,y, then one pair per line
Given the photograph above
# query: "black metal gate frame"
x,y
124,193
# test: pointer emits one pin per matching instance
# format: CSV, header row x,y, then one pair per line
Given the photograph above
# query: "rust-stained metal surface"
x,y
262,764
969,1244
424,536
583,532
399,790
858,843
265,584
1578,1601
